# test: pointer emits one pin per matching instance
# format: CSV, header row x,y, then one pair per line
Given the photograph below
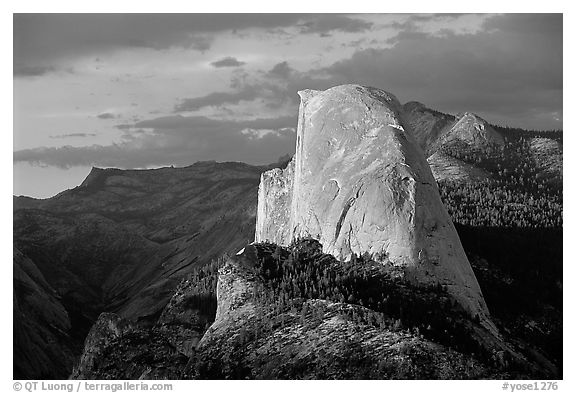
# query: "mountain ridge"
x,y
122,243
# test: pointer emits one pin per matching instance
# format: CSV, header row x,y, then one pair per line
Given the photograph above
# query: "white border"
x,y
357,6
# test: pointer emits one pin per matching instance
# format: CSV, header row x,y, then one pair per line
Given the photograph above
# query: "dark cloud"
x,y
227,62
510,73
42,39
217,99
35,70
407,34
504,73
532,24
32,70
178,140
73,135
281,70
200,43
433,17
106,115
507,76
276,87
323,24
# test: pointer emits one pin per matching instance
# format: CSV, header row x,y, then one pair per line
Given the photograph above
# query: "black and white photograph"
x,y
287,196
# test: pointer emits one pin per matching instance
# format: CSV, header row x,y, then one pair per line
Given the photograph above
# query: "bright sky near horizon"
x,y
149,90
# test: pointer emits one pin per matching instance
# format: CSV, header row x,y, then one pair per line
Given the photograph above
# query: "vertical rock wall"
x,y
360,183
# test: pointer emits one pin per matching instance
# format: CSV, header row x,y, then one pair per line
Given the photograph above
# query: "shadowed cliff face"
x,y
432,129
124,239
362,185
42,340
426,124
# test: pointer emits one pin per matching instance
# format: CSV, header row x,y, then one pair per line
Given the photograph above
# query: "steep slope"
x,y
42,344
275,204
124,239
261,331
547,154
445,167
159,204
446,139
433,130
117,349
361,185
427,124
473,131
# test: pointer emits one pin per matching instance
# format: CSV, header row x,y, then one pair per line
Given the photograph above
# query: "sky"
x,y
151,90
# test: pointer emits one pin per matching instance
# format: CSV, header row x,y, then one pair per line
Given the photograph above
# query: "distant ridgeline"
x,y
504,194
523,186
492,176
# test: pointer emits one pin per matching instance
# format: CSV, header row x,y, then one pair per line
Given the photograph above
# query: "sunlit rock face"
x,y
547,154
361,184
274,204
445,167
474,131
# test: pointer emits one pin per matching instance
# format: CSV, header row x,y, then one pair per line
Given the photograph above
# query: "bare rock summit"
x,y
473,131
359,183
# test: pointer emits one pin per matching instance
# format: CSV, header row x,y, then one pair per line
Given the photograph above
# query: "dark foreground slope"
x,y
42,338
285,313
120,242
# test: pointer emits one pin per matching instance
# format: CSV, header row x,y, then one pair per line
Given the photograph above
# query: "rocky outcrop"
x,y
108,327
333,346
445,167
547,155
362,185
182,321
275,203
311,339
472,130
278,317
116,349
434,130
